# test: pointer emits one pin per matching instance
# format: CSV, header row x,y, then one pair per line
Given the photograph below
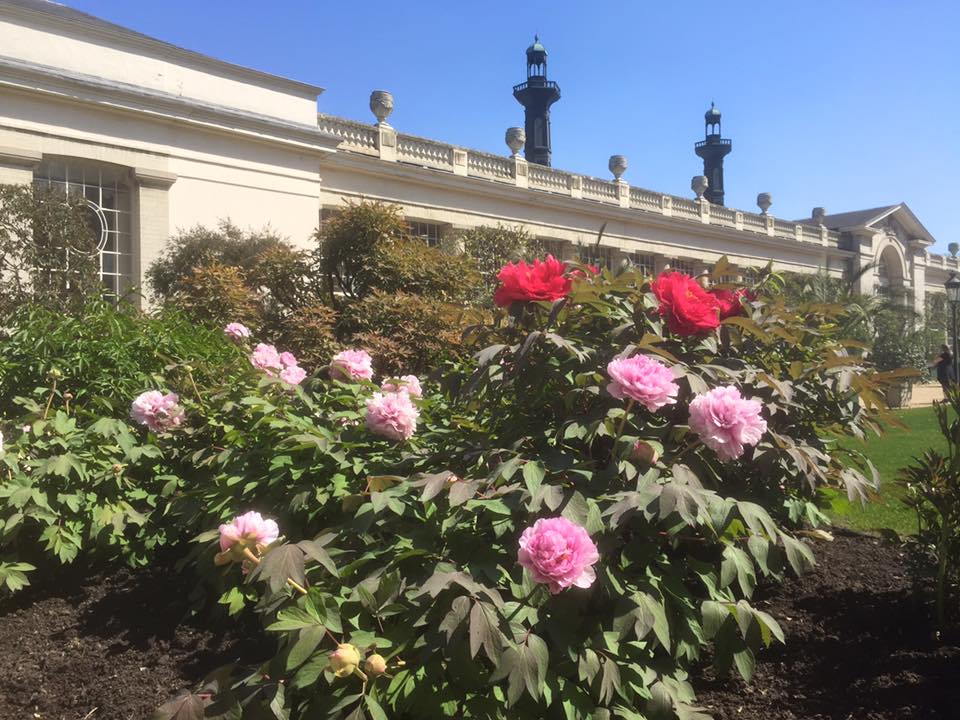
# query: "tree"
x,y
48,250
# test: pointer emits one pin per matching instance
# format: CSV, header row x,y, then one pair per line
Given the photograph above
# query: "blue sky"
x,y
846,104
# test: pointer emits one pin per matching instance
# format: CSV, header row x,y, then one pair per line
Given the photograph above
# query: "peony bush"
x,y
563,526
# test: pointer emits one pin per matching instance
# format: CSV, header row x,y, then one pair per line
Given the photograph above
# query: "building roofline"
x,y
114,96
75,21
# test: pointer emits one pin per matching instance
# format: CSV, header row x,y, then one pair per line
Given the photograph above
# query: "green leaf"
x,y
609,680
798,554
461,491
746,663
279,564
315,551
737,564
713,614
484,632
183,707
293,618
376,712
307,641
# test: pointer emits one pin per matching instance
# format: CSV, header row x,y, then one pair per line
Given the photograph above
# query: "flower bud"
x,y
55,374
344,660
644,452
375,665
451,479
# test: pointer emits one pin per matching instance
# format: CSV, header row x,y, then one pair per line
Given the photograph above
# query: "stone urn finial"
x,y
699,185
819,214
515,138
953,248
764,201
381,105
617,165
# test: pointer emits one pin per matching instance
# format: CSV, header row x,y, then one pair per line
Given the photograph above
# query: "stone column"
x,y
17,165
151,219
521,175
918,277
863,246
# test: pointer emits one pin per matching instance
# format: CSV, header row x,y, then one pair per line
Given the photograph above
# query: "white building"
x,y
159,138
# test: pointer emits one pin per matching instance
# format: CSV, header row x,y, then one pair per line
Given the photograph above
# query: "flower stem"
x,y
53,390
623,423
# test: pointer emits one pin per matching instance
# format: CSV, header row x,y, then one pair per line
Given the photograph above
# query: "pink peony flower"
x,y
246,532
559,553
236,331
157,411
392,415
726,421
288,359
409,384
644,379
352,365
265,357
293,374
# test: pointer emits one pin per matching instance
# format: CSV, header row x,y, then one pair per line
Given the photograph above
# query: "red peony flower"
x,y
546,280
729,300
688,308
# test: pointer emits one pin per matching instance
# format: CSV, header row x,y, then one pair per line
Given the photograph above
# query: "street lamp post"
x,y
952,286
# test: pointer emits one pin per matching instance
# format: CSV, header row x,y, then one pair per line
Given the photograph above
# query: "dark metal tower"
x,y
536,95
713,150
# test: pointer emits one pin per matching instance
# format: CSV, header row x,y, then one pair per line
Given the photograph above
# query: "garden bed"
x,y
109,647
859,646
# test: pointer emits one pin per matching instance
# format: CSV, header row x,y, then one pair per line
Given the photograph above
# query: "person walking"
x,y
944,366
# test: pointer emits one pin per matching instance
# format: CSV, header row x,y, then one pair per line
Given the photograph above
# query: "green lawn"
x,y
889,453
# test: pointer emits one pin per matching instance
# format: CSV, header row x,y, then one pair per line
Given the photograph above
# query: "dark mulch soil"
x,y
108,647
859,645
115,646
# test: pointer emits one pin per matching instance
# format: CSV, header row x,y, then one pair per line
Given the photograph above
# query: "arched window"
x,y
106,190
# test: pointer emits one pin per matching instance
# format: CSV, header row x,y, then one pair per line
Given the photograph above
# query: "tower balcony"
x,y
714,140
537,81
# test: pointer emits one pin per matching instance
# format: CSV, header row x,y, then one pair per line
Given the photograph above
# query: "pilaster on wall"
x,y
17,165
152,213
918,277
863,246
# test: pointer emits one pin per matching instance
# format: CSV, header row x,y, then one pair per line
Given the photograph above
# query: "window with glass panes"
x,y
643,263
431,233
552,247
602,256
682,266
106,190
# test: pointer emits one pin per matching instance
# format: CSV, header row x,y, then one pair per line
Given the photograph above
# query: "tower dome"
x,y
712,115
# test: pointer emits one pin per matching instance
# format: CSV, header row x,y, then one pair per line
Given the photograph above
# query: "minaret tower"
x,y
713,150
536,95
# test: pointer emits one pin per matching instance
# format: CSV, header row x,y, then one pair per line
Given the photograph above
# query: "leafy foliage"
x,y
48,251
933,483
414,551
493,247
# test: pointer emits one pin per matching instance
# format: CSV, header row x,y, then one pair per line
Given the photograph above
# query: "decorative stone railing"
x,y
383,141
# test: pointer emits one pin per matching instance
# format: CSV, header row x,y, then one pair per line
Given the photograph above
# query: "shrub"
x,y
493,247
217,294
367,247
309,332
431,558
405,332
102,356
228,245
48,251
349,241
933,486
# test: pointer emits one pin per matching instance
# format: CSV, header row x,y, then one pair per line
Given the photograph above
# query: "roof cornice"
x,y
121,97
73,22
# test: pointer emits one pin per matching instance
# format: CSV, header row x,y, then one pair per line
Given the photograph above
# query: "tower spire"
x,y
713,148
536,95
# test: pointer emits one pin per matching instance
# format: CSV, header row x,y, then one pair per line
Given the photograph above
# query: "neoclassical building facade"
x,y
158,138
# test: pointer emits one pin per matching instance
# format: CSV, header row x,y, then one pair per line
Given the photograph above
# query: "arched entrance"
x,y
891,272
